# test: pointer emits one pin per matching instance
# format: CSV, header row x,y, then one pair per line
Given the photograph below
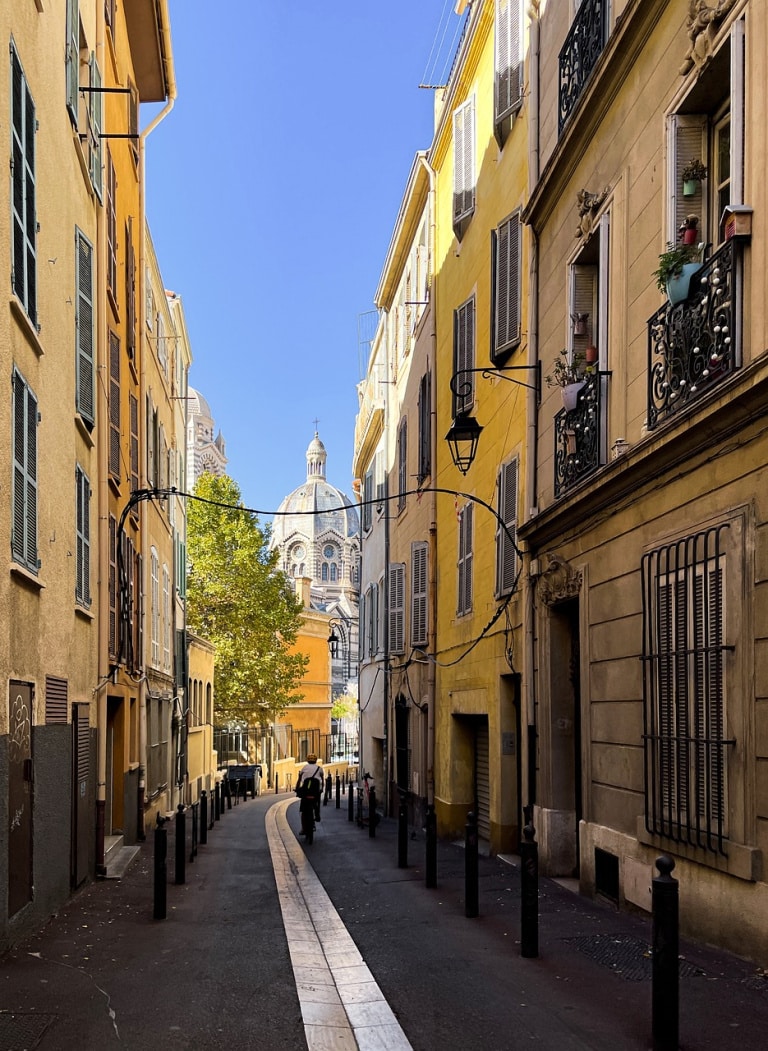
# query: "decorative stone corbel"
x,y
588,205
704,21
559,580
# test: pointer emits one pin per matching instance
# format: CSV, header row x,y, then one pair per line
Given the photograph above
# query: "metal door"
x,y
19,796
482,780
81,768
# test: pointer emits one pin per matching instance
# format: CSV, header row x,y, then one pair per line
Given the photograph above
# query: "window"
x,y
95,119
367,500
506,252
508,84
684,654
166,619
419,593
114,407
72,58
162,352
506,538
24,493
709,127
133,119
23,218
464,604
112,587
84,329
463,357
425,428
83,529
463,166
111,229
134,409
109,13
402,465
155,608
396,608
579,54
130,291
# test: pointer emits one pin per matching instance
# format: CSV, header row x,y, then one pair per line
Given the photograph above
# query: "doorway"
x,y
565,731
19,796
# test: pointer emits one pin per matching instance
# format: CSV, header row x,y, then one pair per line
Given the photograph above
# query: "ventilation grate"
x,y
626,956
22,1030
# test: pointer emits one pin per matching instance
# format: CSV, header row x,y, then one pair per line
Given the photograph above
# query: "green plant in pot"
x,y
692,174
677,265
569,372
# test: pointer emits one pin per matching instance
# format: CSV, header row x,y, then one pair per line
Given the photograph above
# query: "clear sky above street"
x,y
272,190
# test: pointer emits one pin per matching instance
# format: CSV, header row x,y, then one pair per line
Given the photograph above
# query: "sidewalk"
x,y
217,974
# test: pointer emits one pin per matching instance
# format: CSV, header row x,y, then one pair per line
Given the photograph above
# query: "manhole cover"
x,y
22,1032
626,956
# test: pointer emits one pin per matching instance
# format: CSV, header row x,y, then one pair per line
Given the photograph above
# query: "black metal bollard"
x,y
470,867
226,784
217,801
372,812
529,890
328,787
203,817
402,836
181,835
193,850
351,805
359,806
277,783
665,969
160,870
431,868
338,792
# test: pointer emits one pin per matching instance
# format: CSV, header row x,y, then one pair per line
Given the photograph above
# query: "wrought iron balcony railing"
x,y
578,55
691,346
578,443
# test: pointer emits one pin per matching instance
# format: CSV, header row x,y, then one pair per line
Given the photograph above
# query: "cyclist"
x,y
310,770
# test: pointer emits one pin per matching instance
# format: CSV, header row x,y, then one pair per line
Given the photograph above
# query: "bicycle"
x,y
307,811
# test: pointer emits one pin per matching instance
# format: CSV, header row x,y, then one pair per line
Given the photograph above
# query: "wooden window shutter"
x,y
56,700
130,290
507,293
396,608
72,58
402,464
425,430
506,553
464,357
84,330
690,134
114,406
465,560
419,593
23,130
134,408
95,121
111,227
112,587
584,285
463,164
139,611
24,499
509,68
83,528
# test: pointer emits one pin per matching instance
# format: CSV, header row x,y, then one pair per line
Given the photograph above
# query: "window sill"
x,y
85,430
26,576
114,485
743,862
84,611
30,331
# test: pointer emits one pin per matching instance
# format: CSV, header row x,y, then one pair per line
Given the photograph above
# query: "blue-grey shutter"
x,y
23,125
24,499
84,329
72,58
83,528
95,114
506,554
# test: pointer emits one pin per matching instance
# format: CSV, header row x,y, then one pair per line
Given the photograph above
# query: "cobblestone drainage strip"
x,y
628,957
19,1030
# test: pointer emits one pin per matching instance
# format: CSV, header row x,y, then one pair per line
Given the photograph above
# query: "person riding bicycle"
x,y
310,771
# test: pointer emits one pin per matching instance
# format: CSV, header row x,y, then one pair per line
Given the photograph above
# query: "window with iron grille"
x,y
508,83
506,534
84,329
424,467
463,166
463,357
684,658
396,608
506,249
402,464
24,494
83,531
464,604
23,178
419,593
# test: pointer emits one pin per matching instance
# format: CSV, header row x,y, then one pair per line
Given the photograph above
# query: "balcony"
x,y
578,55
578,442
692,345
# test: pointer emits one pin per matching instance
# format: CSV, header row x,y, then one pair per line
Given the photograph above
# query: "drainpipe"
x,y
170,80
531,479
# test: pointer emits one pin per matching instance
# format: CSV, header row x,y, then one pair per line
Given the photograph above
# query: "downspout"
x,y
170,82
531,462
432,549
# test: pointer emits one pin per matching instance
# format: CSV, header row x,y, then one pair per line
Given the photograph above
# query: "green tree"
x,y
344,706
239,601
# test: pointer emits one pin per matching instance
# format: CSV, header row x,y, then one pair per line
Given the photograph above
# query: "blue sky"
x,y
272,189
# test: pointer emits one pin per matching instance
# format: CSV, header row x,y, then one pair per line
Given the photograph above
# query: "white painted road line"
x,y
341,1004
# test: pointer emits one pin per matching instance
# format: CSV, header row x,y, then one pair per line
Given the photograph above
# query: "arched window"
x,y
334,571
324,571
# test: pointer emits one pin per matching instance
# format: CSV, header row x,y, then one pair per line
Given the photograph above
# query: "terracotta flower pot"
x,y
591,354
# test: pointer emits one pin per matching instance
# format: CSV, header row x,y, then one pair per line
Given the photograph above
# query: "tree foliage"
x,y
239,601
344,706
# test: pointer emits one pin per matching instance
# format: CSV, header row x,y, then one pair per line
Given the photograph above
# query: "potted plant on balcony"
x,y
570,374
677,265
692,175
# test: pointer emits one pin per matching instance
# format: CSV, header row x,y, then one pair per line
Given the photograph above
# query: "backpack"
x,y
310,786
